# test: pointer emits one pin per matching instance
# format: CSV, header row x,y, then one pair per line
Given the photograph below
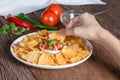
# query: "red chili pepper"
x,y
20,22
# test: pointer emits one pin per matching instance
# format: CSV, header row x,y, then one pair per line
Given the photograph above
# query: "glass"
x,y
66,16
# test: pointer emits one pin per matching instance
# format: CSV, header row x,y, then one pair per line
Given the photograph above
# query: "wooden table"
x,y
100,66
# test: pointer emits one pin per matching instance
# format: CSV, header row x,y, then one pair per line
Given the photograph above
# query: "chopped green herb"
x,y
16,30
3,32
6,27
27,29
13,27
23,30
17,33
51,42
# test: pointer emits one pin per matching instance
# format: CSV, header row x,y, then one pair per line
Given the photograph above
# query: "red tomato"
x,y
56,9
49,18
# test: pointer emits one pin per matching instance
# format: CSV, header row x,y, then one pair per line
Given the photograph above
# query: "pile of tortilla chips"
x,y
29,50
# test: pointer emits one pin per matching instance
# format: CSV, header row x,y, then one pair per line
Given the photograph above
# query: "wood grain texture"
x,y
101,65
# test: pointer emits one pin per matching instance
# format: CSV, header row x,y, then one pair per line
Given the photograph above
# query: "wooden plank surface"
x,y
101,65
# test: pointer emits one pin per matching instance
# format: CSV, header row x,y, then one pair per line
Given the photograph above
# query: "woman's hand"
x,y
84,26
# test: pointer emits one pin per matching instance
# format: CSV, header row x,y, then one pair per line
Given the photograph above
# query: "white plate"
x,y
45,66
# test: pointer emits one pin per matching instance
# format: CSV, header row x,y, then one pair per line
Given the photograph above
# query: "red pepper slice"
x,y
20,22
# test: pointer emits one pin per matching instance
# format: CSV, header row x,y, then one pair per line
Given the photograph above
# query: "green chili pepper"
x,y
22,16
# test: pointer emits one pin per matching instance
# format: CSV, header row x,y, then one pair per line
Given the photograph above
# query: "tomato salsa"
x,y
52,45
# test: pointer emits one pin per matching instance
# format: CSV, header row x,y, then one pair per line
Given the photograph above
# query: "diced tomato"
x,y
44,46
55,47
41,45
59,47
46,40
58,41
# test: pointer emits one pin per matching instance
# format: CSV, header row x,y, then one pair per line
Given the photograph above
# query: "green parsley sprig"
x,y
16,30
